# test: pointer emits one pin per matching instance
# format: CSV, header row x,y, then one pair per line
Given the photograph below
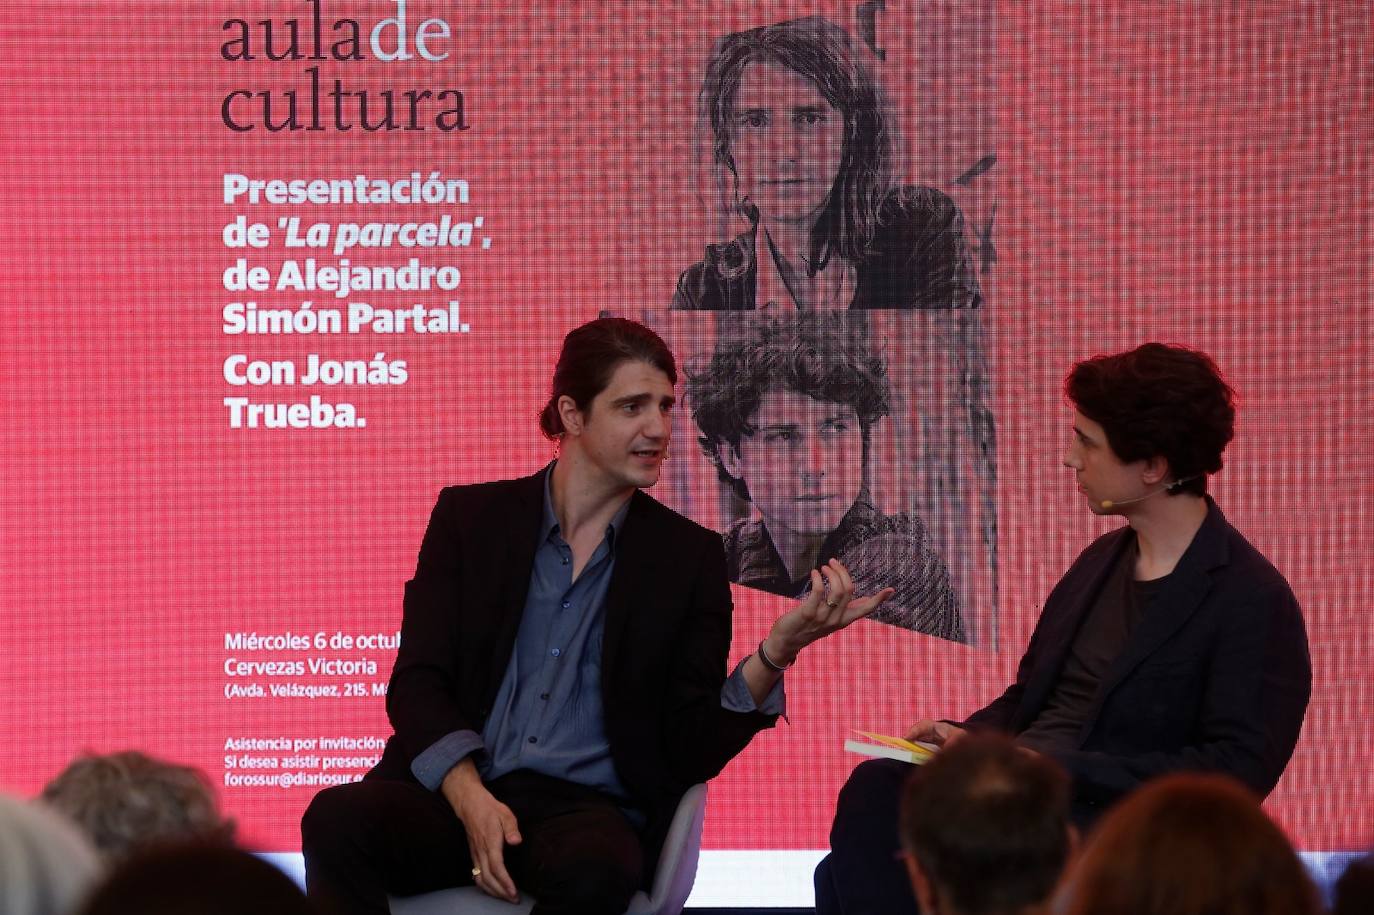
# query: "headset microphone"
x,y
1175,486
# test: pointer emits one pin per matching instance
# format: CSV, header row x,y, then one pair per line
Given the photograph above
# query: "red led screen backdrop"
x,y
275,273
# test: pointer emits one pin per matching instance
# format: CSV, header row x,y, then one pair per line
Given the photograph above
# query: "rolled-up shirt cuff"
x,y
735,695
434,763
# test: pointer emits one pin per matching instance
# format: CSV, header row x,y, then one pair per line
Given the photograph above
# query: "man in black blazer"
x,y
561,677
1171,643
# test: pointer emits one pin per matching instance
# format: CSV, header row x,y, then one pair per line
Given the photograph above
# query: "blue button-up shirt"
x,y
548,715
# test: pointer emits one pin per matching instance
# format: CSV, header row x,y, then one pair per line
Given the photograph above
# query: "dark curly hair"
x,y
820,51
1159,400
591,354
824,355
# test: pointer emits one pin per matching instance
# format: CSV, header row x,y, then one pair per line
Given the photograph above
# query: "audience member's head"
x,y
985,825
46,866
126,801
1189,845
205,879
1355,890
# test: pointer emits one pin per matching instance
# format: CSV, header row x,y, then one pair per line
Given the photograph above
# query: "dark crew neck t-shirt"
x,y
1102,635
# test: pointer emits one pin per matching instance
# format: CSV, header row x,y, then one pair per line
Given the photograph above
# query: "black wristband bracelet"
x,y
768,662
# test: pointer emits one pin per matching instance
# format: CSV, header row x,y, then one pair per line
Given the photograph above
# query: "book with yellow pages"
x,y
885,747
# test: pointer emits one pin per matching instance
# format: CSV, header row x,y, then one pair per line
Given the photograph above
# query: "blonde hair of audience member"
x,y
127,801
1189,844
46,866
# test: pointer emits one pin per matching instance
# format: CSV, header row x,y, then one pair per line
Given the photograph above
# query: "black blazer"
x,y
1215,677
666,641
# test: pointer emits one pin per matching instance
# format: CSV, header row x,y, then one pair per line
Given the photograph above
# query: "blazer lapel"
x,y
1062,628
633,578
515,562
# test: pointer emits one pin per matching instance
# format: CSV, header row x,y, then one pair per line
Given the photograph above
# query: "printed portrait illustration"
x,y
806,436
797,160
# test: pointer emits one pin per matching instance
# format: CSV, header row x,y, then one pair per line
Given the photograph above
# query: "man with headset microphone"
x,y
1170,644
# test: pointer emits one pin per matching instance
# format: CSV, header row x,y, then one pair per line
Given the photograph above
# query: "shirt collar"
x,y
770,291
550,522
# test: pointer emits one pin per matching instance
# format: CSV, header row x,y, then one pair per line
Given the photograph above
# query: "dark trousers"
x,y
864,874
368,839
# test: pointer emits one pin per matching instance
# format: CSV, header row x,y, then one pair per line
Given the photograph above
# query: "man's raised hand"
x,y
831,606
